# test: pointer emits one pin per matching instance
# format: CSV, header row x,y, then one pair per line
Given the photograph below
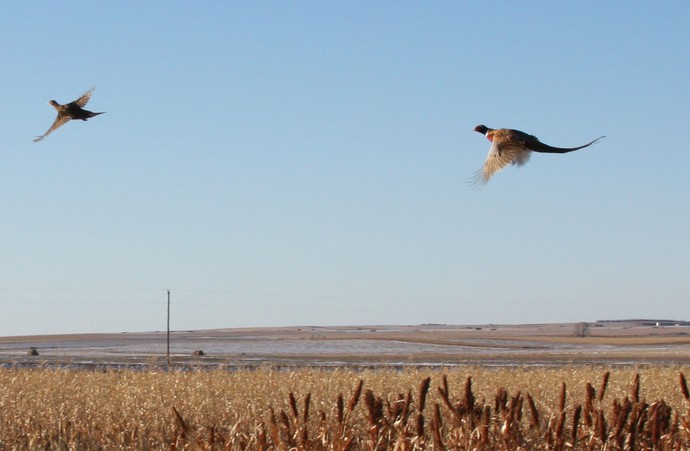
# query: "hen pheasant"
x,y
513,147
69,111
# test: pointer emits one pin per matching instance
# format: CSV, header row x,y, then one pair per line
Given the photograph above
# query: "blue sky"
x,y
305,163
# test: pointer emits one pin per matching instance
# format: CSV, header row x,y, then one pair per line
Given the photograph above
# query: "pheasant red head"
x,y
484,130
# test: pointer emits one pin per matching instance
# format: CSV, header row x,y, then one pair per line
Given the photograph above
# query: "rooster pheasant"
x,y
513,147
69,111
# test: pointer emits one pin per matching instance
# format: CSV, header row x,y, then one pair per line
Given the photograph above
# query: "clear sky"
x,y
305,163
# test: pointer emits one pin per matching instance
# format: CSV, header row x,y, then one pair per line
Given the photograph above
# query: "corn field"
x,y
580,408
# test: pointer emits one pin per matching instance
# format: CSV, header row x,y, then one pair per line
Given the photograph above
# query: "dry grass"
x,y
473,408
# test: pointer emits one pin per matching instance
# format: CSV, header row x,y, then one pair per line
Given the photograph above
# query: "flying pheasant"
x,y
67,112
512,147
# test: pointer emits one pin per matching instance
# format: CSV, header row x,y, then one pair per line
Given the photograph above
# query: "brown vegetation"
x,y
585,408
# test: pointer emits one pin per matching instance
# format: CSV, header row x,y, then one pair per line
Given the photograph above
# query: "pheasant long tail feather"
x,y
538,146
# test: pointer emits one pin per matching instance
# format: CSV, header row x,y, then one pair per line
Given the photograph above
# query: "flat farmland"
x,y
611,343
621,386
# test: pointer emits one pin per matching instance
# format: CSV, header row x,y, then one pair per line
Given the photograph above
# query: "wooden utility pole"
x,y
168,331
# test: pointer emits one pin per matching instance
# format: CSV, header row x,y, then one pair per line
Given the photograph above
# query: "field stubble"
x,y
470,408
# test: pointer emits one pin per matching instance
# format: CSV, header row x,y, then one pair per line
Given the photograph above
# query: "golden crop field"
x,y
578,407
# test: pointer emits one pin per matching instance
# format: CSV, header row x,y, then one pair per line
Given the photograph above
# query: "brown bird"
x,y
67,112
513,147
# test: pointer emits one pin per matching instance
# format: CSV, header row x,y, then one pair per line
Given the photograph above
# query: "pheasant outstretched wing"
x,y
84,99
499,157
59,121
